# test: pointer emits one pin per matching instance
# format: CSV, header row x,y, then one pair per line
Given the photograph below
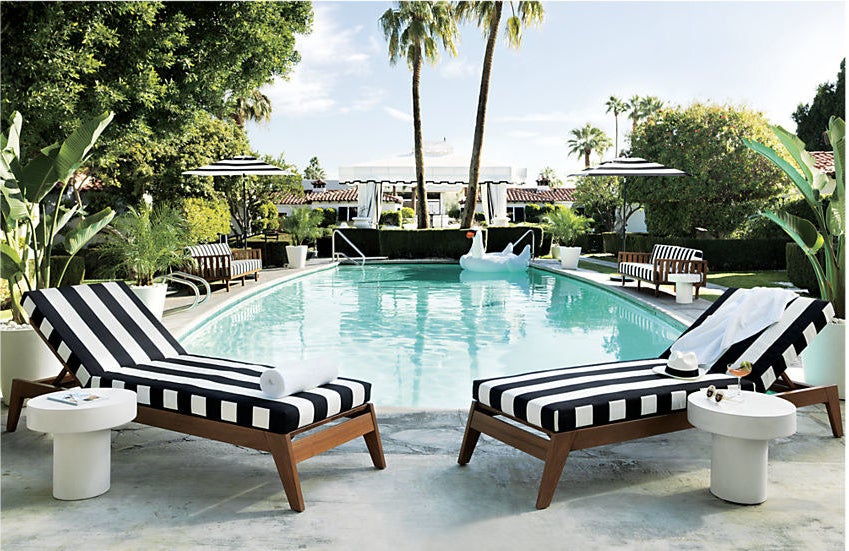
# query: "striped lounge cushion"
x,y
775,348
106,337
675,253
246,266
220,253
591,395
637,269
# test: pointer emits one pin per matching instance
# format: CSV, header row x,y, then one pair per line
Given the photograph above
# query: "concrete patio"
x,y
171,491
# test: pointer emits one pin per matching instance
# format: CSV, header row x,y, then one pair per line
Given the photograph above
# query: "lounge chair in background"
x,y
105,337
592,405
217,262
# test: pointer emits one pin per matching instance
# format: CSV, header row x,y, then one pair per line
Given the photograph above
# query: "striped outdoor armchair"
x,y
663,260
217,262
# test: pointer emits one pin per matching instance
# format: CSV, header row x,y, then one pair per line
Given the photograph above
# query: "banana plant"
x,y
827,199
35,217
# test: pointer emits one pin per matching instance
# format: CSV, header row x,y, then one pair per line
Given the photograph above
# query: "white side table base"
x,y
738,469
81,464
684,286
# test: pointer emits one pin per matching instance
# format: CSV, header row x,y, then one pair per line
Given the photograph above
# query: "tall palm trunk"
x,y
587,157
616,136
477,146
421,193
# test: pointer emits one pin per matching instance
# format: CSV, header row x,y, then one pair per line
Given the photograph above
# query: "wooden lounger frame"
x,y
554,450
284,448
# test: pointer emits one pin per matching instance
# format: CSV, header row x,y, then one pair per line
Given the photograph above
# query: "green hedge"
x,y
590,243
366,240
721,254
273,252
390,218
206,218
799,270
73,276
498,237
431,243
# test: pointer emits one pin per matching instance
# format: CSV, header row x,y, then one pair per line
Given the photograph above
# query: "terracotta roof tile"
x,y
559,194
332,196
824,160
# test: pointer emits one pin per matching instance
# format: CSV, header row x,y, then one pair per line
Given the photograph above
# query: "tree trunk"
x,y
616,136
483,95
587,158
421,193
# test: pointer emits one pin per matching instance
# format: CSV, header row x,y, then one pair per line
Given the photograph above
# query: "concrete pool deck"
x,y
172,491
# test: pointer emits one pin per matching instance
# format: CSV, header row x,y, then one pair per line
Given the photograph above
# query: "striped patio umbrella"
x,y
242,165
628,167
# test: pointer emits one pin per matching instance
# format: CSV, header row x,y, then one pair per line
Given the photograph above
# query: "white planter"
x,y
555,252
297,255
23,355
153,296
569,257
824,359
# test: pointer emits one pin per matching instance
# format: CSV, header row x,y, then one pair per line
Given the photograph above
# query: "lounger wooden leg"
x,y
832,405
373,443
20,391
284,458
697,292
227,283
555,460
470,439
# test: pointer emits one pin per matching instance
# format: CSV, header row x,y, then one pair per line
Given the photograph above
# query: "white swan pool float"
x,y
476,260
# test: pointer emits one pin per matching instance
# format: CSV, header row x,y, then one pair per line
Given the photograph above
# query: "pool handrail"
x,y
334,255
182,278
533,241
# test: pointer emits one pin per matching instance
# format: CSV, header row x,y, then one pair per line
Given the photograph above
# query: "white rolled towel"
x,y
295,377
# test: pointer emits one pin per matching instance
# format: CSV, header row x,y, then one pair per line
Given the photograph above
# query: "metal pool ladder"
x,y
342,257
188,280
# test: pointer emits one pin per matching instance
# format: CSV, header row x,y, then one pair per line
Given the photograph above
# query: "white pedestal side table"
x,y
684,286
81,438
742,429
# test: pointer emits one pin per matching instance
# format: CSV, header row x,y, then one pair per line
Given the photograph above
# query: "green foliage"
x,y
430,243
548,177
586,140
329,217
532,213
147,242
799,270
829,101
157,65
253,106
314,170
407,214
390,218
302,225
590,242
497,237
273,252
205,219
267,218
454,212
35,211
565,226
826,198
74,275
727,182
601,198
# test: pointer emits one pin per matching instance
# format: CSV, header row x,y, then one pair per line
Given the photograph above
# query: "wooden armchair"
x,y
655,267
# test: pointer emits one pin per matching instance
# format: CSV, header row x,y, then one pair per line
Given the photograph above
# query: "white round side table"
x,y
684,286
81,437
742,429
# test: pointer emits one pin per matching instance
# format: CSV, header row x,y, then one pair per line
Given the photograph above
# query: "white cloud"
x,y
556,116
398,114
369,97
330,54
521,134
452,67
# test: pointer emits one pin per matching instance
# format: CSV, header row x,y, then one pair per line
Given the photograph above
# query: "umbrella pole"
x,y
624,204
245,204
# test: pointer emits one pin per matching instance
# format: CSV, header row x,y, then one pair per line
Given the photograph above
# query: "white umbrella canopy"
x,y
240,165
628,167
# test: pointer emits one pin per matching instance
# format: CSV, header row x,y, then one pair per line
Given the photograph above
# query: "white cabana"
x,y
494,203
369,204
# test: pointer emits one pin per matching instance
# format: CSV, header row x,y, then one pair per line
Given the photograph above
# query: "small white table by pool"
x,y
742,429
82,440
684,286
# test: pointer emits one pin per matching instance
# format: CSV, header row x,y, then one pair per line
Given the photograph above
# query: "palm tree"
x,y
487,15
413,30
618,107
588,139
633,105
254,107
650,106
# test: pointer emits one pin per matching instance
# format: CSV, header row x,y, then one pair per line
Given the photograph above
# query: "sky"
x,y
346,104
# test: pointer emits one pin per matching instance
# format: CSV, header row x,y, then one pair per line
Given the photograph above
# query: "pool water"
x,y
420,333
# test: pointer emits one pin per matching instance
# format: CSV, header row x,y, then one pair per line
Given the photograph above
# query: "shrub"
x,y
799,270
407,213
499,236
390,218
426,243
268,219
329,217
532,213
206,218
590,243
366,240
273,252
454,212
74,274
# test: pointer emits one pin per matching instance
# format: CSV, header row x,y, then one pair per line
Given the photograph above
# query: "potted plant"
x,y
824,358
565,227
39,220
302,226
145,243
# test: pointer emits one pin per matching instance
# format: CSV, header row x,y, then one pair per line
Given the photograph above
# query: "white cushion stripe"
x,y
128,342
151,331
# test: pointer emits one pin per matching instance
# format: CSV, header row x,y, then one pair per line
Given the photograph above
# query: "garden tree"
x,y
413,30
617,106
548,177
586,140
633,107
811,119
254,106
314,170
642,108
727,182
600,197
487,15
155,64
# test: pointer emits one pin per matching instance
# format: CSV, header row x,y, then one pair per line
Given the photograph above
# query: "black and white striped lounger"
x,y
105,337
592,405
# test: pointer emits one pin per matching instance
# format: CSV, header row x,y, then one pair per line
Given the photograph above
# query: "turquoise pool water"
x,y
421,333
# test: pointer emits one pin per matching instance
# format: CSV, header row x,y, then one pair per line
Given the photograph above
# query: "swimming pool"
x,y
422,332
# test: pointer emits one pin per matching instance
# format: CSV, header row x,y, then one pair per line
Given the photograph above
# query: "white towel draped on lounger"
x,y
746,313
298,376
